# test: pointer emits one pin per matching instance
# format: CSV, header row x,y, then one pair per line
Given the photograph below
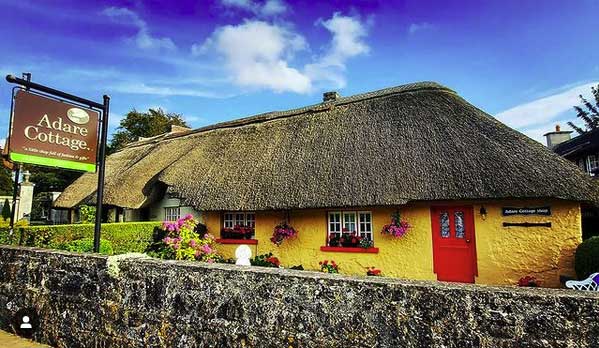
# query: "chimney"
x,y
330,96
557,137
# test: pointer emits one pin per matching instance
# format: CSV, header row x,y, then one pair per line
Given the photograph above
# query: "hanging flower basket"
x,y
282,231
397,228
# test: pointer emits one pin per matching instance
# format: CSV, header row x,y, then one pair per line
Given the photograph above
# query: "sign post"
x,y
59,133
101,169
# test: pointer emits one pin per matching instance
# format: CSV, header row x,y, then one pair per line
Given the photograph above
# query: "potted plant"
x,y
350,240
328,267
529,281
397,228
237,232
365,243
334,240
373,272
282,231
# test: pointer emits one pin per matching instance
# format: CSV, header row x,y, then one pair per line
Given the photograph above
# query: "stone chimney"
x,y
330,96
557,137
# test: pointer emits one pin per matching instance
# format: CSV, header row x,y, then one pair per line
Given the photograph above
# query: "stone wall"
x,y
153,303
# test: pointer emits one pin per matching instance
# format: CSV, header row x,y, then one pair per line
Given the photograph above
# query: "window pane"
x,y
444,225
171,213
228,220
334,222
250,220
240,219
459,224
349,222
365,225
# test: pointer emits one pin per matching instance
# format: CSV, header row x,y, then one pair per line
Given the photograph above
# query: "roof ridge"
x,y
322,106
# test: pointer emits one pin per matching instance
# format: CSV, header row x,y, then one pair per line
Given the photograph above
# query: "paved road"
x,y
12,341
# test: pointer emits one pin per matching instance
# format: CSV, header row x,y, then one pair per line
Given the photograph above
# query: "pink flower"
x,y
207,249
210,261
192,243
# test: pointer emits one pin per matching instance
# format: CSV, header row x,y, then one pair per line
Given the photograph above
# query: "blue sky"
x,y
214,60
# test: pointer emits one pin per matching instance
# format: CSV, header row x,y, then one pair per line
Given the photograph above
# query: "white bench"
x,y
589,284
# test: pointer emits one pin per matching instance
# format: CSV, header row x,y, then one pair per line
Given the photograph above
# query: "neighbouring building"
x,y
24,199
485,203
583,150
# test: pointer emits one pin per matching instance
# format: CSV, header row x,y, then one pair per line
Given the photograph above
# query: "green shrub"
x,y
6,210
125,237
587,258
87,214
86,245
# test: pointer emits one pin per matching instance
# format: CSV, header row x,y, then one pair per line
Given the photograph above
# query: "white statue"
x,y
243,253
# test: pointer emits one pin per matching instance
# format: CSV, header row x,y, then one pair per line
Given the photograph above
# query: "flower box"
x,y
238,232
371,250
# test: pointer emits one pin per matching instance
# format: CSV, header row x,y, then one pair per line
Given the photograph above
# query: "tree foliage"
x,y
143,124
51,179
588,112
6,210
6,181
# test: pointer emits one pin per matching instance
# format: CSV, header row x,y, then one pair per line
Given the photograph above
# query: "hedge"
x,y
125,237
586,260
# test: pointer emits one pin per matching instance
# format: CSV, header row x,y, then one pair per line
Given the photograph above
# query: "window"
x,y
350,222
228,220
459,224
172,213
250,220
582,165
365,219
335,224
241,219
444,224
593,164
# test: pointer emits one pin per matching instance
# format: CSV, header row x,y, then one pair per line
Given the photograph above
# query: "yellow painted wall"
x,y
504,253
507,253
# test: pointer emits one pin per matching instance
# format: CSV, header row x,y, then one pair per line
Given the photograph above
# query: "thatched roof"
x,y
417,142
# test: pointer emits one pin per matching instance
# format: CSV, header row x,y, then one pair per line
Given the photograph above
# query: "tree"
x,y
6,181
590,116
143,124
51,179
6,210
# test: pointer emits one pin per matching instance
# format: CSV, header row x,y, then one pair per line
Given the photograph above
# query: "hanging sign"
x,y
52,132
508,211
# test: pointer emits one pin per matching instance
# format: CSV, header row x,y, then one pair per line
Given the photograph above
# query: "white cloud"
x,y
143,39
273,7
545,109
266,9
256,55
347,42
416,27
142,88
540,116
260,54
246,4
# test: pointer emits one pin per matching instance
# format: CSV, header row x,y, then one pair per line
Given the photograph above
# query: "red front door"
x,y
454,248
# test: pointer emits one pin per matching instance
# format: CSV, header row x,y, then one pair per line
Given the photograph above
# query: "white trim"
x,y
341,223
233,218
369,222
169,215
338,223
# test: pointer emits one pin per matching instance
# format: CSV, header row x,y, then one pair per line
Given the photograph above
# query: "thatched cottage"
x,y
485,203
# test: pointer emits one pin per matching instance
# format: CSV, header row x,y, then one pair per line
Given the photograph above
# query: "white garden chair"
x,y
589,284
